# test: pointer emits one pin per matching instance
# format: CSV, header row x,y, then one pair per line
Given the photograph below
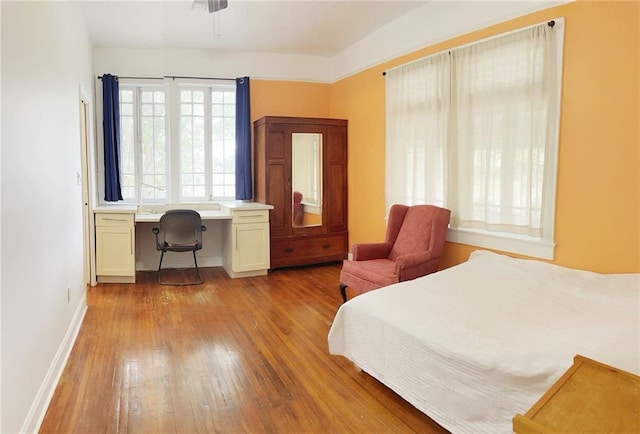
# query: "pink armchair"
x,y
412,248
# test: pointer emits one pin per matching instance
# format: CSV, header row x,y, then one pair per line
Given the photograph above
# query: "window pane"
x,y
230,110
192,143
218,110
223,143
198,109
126,95
153,146
127,145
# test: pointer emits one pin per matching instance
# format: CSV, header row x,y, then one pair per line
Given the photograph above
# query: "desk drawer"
x,y
114,219
257,216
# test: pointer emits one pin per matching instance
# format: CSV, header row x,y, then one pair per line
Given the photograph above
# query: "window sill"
x,y
533,247
312,208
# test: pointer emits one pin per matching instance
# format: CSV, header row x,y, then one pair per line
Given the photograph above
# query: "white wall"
x,y
209,63
46,64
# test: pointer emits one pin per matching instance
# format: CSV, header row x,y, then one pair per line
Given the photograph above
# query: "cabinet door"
x,y
278,178
335,178
251,247
115,251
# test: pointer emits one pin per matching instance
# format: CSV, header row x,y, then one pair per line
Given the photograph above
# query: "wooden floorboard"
x,y
228,356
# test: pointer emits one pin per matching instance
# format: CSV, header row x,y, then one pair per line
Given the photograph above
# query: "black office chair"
x,y
180,231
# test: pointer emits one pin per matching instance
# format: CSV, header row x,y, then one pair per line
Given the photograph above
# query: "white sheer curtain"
x,y
471,130
417,113
501,103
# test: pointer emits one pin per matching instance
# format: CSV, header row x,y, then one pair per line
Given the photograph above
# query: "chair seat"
x,y
181,247
368,275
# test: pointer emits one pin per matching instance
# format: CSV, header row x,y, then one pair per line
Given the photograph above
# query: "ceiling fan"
x,y
216,5
212,5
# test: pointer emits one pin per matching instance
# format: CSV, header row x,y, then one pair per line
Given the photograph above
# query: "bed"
x,y
472,345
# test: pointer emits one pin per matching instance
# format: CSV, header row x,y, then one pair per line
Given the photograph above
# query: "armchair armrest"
x,y
368,251
415,265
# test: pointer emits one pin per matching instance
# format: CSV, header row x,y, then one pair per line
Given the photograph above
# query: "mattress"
x,y
472,345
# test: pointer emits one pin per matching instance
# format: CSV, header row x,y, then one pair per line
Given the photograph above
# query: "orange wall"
x,y
288,98
598,197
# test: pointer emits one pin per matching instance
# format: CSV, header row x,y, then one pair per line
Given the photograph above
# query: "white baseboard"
x,y
41,403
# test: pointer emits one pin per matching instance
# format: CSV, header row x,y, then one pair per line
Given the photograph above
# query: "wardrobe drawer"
x,y
308,250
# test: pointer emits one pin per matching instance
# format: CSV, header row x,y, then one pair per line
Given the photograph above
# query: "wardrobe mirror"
x,y
306,179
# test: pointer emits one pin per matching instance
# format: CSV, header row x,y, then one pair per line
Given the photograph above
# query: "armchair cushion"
x,y
368,275
415,233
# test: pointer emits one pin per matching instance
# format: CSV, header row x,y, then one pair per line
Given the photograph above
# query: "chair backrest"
x,y
298,208
180,226
417,228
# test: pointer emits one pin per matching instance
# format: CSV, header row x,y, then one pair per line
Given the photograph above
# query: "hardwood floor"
x,y
228,356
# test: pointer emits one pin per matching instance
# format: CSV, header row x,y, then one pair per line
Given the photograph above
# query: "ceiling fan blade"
x,y
216,5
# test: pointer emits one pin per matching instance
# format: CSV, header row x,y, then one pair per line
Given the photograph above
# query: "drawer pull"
x,y
114,220
288,250
326,246
250,216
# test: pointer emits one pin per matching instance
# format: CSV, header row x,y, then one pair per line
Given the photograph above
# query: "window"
x,y
207,143
476,130
177,149
143,144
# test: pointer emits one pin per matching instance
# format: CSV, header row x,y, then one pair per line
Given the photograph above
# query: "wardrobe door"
x,y
335,179
278,178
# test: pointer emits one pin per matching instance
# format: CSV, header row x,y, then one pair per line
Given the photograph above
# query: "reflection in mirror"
x,y
306,175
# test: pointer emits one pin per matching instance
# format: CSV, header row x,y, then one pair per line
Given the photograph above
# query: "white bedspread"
x,y
475,344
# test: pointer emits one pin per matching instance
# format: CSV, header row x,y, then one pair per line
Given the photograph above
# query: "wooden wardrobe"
x,y
307,156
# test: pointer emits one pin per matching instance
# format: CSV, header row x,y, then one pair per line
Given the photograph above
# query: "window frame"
x,y
208,87
136,87
171,87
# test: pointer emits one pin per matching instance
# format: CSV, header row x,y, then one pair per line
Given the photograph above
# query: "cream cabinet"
x,y
246,243
115,247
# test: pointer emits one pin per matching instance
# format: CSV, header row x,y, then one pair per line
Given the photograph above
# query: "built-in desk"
x,y
237,238
154,217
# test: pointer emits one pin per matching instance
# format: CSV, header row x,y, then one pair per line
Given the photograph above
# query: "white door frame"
x,y
83,178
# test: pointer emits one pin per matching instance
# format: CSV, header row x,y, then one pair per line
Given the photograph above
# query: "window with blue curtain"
x,y
207,127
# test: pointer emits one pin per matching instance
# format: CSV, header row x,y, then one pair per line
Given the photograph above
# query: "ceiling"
x,y
321,28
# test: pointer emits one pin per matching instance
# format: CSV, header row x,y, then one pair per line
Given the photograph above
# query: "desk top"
x,y
152,213
154,217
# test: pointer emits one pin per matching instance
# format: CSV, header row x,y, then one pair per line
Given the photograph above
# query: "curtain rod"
x,y
173,77
549,23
